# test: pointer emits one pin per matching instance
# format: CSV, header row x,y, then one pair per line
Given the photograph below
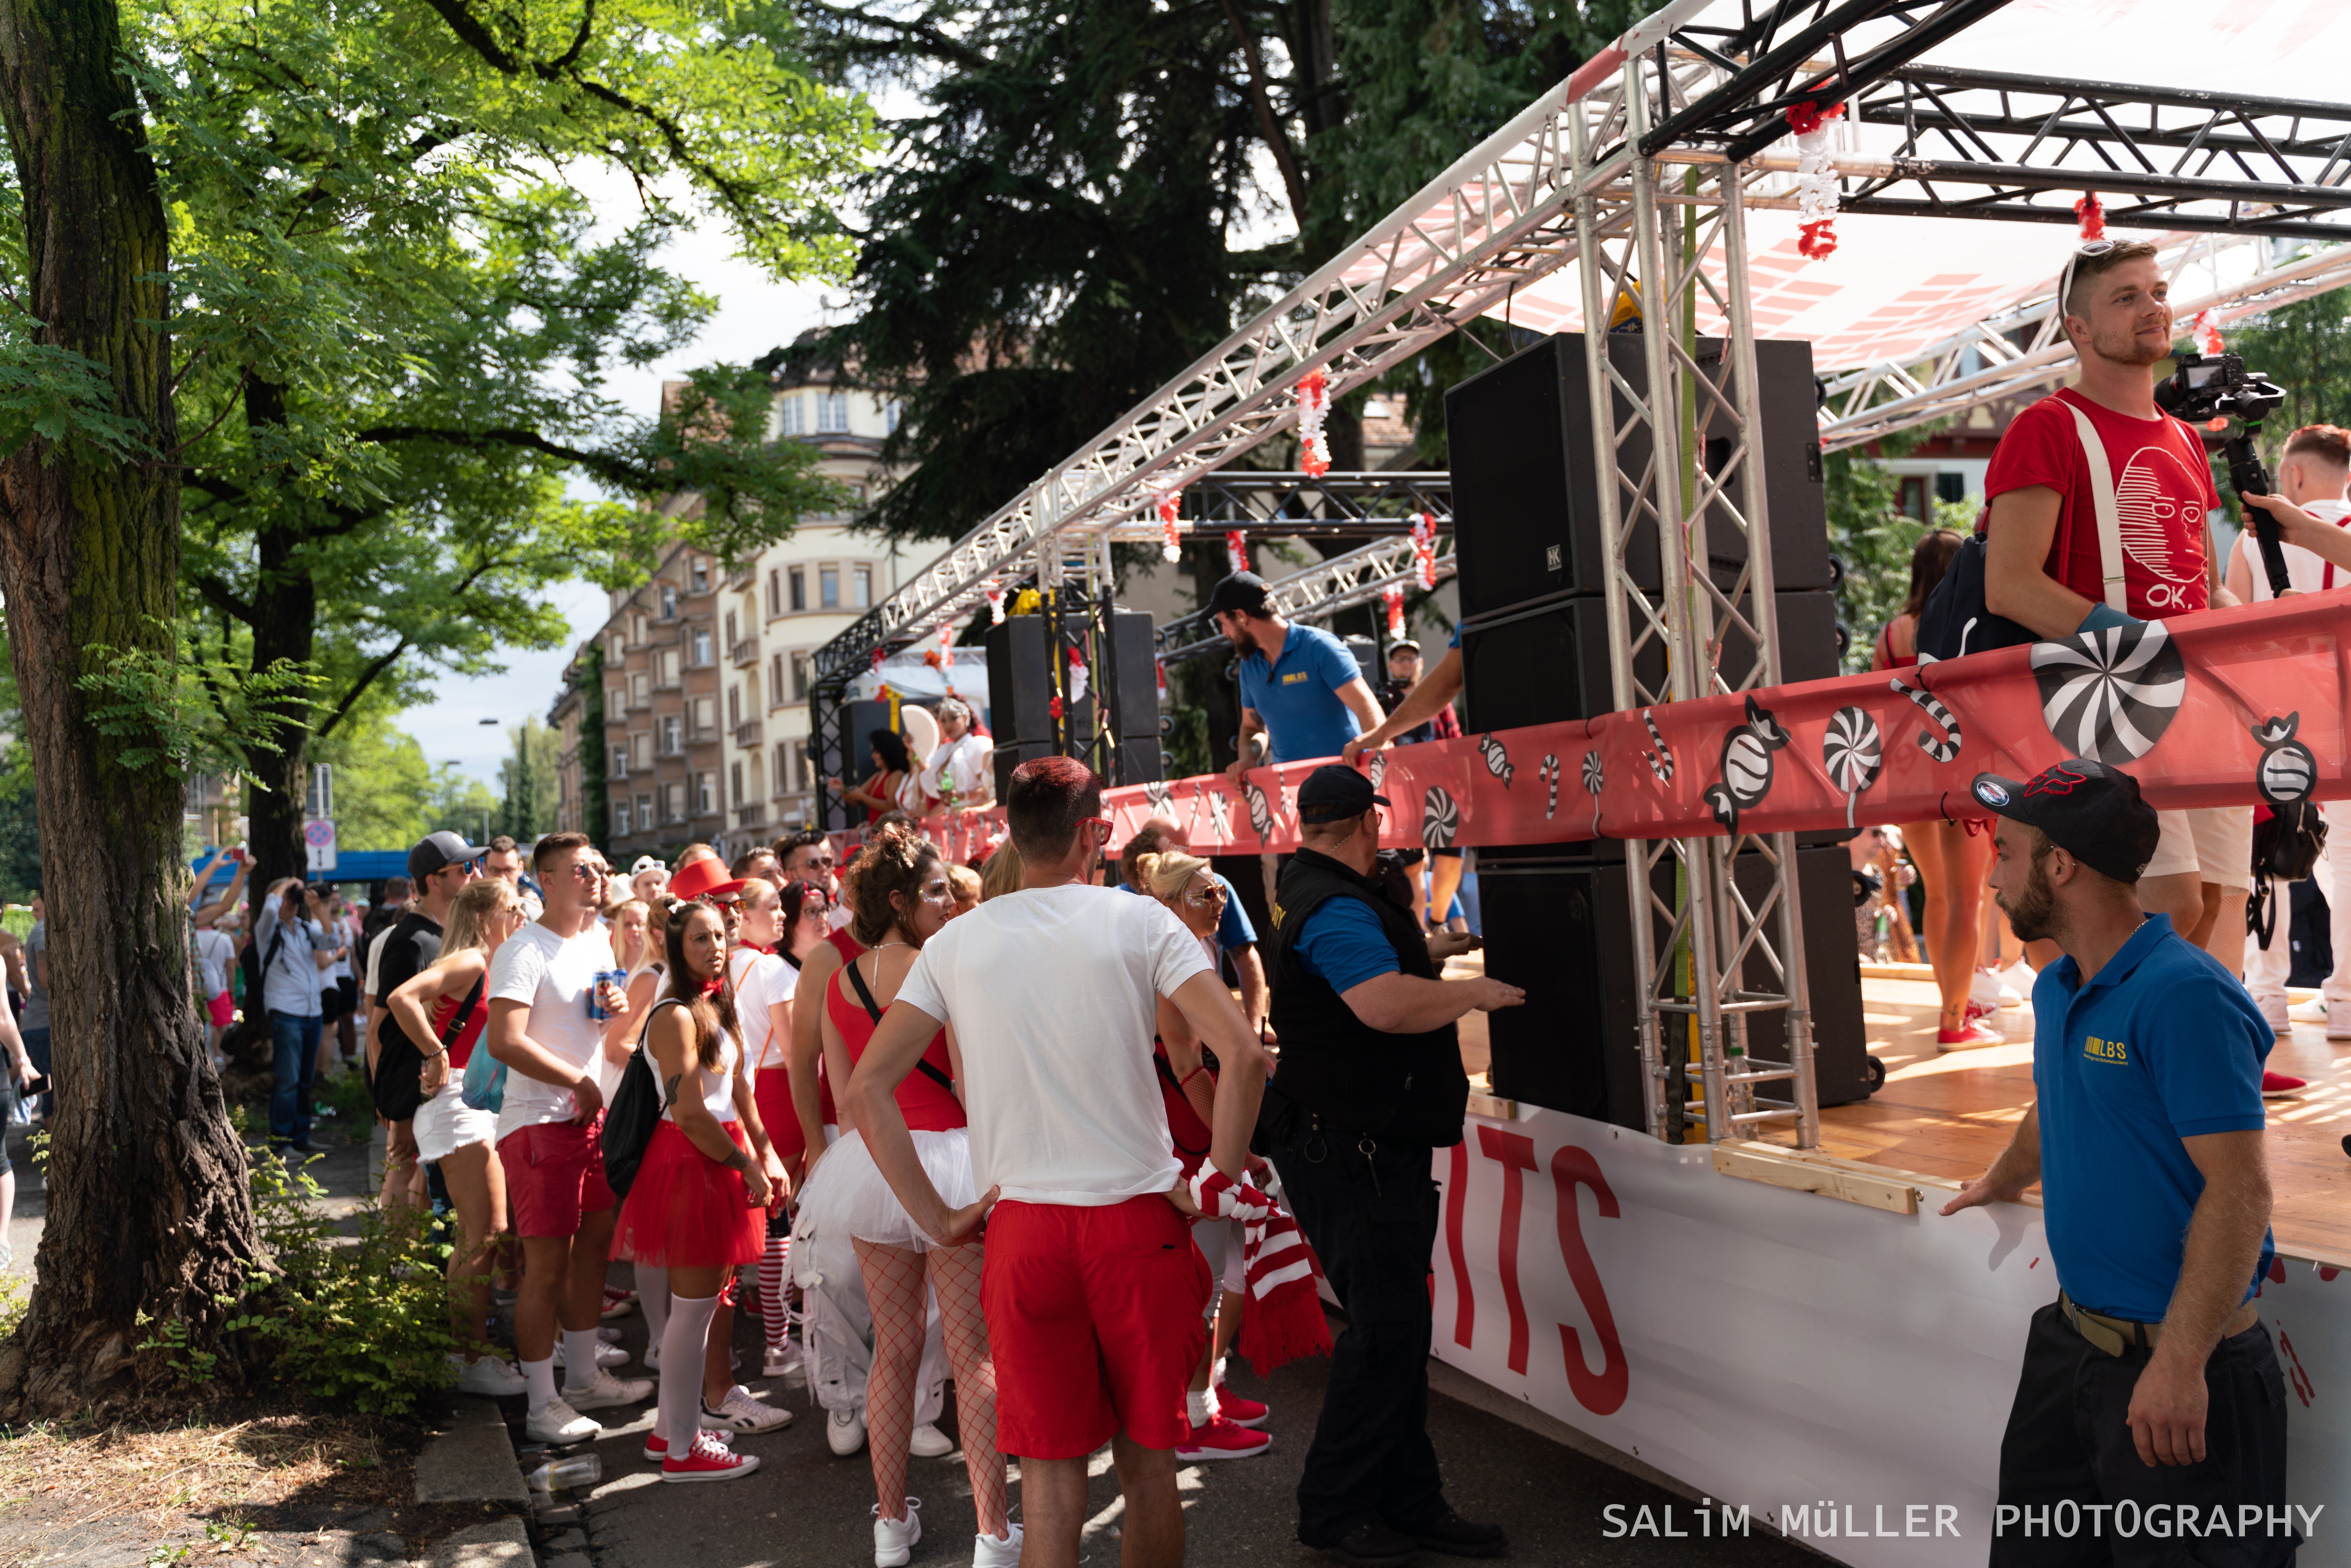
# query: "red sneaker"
x,y
657,1446
2276,1084
1221,1439
1974,1033
710,1461
1241,1412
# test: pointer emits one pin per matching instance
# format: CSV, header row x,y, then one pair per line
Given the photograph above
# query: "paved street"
x,y
806,1509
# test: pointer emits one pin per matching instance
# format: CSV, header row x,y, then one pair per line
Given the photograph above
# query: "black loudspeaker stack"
x,y
1020,694
842,750
1533,569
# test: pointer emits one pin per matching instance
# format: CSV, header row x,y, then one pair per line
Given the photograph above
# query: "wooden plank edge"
x,y
1761,1161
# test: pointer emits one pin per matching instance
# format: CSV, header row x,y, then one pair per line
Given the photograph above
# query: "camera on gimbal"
x,y
2212,386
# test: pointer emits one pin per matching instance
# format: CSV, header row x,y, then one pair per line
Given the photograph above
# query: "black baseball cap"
x,y
1242,591
2092,811
435,851
1334,794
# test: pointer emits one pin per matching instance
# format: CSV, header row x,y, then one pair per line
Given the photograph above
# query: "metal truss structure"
x,y
1336,505
1640,168
1321,591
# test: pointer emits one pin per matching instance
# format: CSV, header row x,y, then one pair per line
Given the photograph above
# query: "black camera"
x,y
2212,386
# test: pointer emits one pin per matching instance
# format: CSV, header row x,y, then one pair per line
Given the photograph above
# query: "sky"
x,y
467,721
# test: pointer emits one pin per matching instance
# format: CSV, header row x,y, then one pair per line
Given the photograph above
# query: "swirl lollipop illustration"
x,y
1853,751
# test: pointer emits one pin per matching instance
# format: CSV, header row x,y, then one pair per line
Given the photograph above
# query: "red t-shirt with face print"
x,y
2163,493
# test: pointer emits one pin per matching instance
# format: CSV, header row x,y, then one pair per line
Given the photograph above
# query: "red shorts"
x,y
555,1173
221,1010
1094,1319
771,1091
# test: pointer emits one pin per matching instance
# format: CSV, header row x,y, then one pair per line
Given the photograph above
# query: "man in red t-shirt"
x,y
2043,565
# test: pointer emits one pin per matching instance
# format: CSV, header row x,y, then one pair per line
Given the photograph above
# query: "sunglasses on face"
x,y
1202,894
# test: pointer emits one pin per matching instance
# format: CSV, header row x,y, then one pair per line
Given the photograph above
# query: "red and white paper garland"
x,y
1424,549
1236,550
994,594
1816,179
1313,406
2207,333
1171,528
1394,594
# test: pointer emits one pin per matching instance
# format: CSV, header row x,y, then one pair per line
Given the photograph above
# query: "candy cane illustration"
x,y
1661,760
1942,748
1549,774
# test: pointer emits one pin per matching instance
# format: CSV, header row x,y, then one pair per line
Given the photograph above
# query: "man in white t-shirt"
x,y
545,988
2313,474
1092,1290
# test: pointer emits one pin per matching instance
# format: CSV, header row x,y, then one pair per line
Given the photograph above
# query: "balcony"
x,y
744,653
750,733
739,578
751,816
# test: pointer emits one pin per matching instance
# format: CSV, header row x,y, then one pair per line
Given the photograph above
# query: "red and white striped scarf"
x,y
1283,1317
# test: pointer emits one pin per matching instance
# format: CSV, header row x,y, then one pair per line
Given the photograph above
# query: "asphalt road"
x,y
805,1509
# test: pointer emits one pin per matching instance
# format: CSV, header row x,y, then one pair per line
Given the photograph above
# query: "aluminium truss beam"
x,y
1317,594
1268,503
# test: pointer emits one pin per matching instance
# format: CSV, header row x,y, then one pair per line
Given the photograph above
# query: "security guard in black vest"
x,y
1369,1083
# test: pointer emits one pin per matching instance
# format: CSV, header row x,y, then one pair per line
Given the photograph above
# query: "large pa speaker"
x,y
1561,926
1020,693
1526,490
1019,687
1548,662
839,749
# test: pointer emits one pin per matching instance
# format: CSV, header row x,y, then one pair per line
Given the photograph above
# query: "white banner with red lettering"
x,y
1841,1368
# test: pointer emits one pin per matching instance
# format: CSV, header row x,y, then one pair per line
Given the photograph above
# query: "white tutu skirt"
x,y
848,1196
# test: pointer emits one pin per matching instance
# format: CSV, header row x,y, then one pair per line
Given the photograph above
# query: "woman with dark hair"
x,y
902,897
1953,857
697,1205
885,788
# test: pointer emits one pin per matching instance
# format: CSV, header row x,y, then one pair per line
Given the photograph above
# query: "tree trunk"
x,y
147,1204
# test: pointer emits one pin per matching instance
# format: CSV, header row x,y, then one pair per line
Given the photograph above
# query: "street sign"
x,y
319,843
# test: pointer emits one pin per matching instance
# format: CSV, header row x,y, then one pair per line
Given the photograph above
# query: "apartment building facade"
x,y
705,674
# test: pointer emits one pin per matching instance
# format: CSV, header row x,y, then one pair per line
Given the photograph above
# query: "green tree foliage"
x,y
383,782
461,803
526,808
2305,348
396,318
595,796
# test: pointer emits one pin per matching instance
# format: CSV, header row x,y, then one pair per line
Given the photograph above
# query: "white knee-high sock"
x,y
679,1410
580,1347
652,1299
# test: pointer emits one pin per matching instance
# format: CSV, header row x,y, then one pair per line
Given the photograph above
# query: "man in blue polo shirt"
x,y
1300,688
2150,1384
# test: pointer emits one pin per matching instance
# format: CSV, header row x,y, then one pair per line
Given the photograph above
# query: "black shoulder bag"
x,y
1954,619
2286,846
398,1087
635,1113
865,994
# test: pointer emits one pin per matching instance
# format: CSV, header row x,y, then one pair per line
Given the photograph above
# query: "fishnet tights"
x,y
894,1281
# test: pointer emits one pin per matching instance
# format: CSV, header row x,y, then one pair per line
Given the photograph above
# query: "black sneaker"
x,y
1373,1544
305,1146
1456,1537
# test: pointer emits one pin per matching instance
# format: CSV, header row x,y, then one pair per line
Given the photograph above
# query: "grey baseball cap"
x,y
437,852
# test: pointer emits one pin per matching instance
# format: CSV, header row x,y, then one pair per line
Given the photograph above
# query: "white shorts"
x,y
2214,841
446,1123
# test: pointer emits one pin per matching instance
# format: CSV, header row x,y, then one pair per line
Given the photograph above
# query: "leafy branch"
x,y
192,711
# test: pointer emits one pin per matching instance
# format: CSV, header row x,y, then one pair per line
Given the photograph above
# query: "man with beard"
x,y
1302,694
2151,1378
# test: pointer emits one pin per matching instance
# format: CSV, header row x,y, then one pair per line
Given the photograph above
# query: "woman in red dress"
x,y
902,896
698,1205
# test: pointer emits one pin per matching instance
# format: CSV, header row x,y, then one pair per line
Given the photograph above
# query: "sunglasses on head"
x,y
2089,252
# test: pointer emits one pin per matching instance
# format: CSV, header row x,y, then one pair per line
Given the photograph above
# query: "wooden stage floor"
x,y
1948,1114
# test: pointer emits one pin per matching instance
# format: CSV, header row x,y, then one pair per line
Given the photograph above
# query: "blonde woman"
x,y
1001,873
441,1009
1221,1420
631,951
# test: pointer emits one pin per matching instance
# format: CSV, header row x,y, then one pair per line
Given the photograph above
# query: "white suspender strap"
x,y
2110,521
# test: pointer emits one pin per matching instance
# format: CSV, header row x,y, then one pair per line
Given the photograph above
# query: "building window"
x,y
699,575
700,645
621,819
800,675
703,788
892,414
643,745
735,782
617,649
733,706
861,581
644,814
732,637
669,601
783,764
790,405
620,761
669,733
1951,487
831,413
673,798
705,715
799,589
774,591
637,689
775,675
616,702
828,587
637,630
1913,493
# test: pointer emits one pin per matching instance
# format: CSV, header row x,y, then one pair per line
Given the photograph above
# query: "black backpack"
x,y
635,1113
2286,846
398,1086
1954,619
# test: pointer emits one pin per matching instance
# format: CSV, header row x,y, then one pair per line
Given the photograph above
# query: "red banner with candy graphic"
x,y
2217,708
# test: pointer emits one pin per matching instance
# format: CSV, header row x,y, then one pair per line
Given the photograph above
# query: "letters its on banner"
x,y
1835,1369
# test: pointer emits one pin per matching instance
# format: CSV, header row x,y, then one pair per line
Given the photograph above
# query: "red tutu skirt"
x,y
685,1210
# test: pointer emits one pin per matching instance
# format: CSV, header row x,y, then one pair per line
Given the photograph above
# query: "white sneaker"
x,y
844,1431
606,1354
609,1390
784,1358
607,1336
2278,1016
653,1355
7,1255
739,1412
995,1551
930,1443
2019,978
893,1539
556,1422
1989,988
492,1376
2311,1011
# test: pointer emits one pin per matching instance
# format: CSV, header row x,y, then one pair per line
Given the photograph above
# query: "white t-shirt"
x,y
760,980
1053,994
553,975
964,764
717,1086
2307,572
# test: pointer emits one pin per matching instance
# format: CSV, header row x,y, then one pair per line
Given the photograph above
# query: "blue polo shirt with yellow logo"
x,y
1298,696
2163,1044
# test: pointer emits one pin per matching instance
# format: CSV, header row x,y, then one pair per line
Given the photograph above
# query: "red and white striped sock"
x,y
774,1269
